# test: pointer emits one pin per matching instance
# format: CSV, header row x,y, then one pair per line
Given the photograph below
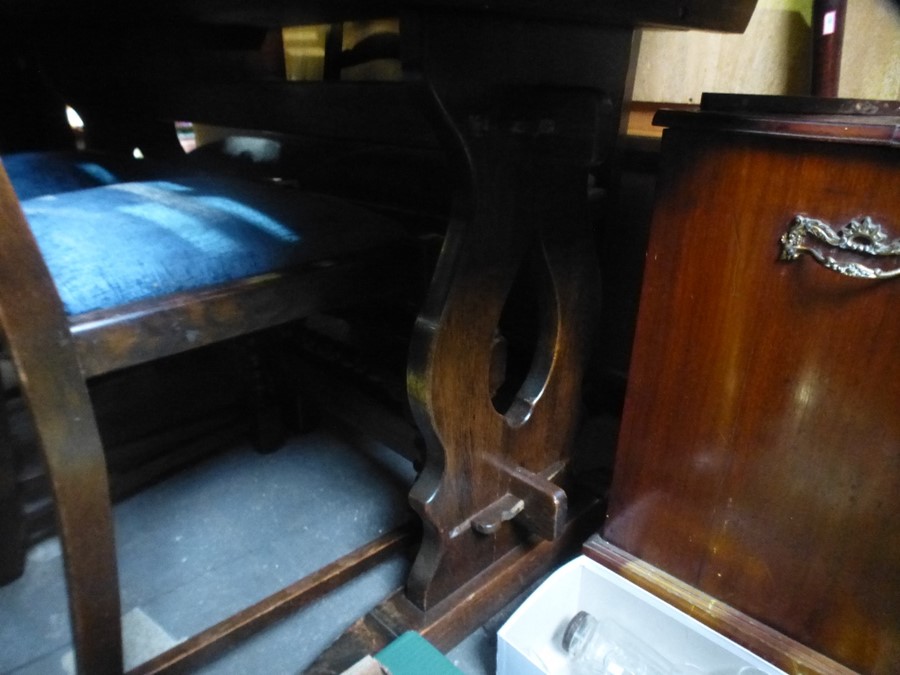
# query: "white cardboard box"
x,y
530,642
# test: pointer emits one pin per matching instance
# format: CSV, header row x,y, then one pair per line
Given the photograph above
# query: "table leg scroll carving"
x,y
488,480
498,425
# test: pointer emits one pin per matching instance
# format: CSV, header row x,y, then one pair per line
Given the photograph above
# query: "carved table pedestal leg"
x,y
528,109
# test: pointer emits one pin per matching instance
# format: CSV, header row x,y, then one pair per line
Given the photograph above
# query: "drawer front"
x,y
759,458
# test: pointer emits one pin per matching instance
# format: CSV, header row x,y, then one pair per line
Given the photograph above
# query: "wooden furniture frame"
x,y
756,473
55,354
527,100
528,132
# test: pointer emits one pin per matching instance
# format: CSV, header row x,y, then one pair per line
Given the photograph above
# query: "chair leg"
x,y
267,428
76,467
84,518
12,524
12,554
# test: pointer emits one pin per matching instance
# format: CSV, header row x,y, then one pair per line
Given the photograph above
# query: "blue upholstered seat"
x,y
34,174
129,241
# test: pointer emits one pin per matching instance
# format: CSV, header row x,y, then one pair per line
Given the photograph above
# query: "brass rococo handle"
x,y
862,236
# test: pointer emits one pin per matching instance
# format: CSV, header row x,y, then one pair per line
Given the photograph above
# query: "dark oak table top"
x,y
705,14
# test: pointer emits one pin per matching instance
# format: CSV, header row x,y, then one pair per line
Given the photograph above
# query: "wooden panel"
x,y
708,14
518,260
108,340
759,458
865,130
212,642
777,649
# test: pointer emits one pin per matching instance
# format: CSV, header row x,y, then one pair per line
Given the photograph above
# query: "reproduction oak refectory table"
x,y
526,97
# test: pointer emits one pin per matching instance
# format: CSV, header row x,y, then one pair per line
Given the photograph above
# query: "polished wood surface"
x,y
759,456
801,112
527,99
852,122
829,19
205,646
776,648
474,604
37,336
108,340
490,466
708,14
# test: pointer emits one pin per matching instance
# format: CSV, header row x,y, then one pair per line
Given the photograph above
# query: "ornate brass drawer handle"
x,y
858,236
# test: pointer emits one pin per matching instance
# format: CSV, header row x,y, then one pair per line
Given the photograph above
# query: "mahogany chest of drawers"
x,y
759,458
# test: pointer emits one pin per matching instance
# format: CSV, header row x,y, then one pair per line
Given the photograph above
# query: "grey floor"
x,y
221,535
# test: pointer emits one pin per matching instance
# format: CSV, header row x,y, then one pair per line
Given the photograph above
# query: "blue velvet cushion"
x,y
34,174
115,244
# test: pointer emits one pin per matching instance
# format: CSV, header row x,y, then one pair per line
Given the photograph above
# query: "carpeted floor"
x,y
221,535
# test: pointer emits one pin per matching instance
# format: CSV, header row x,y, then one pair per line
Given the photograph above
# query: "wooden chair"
x,y
112,262
755,476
